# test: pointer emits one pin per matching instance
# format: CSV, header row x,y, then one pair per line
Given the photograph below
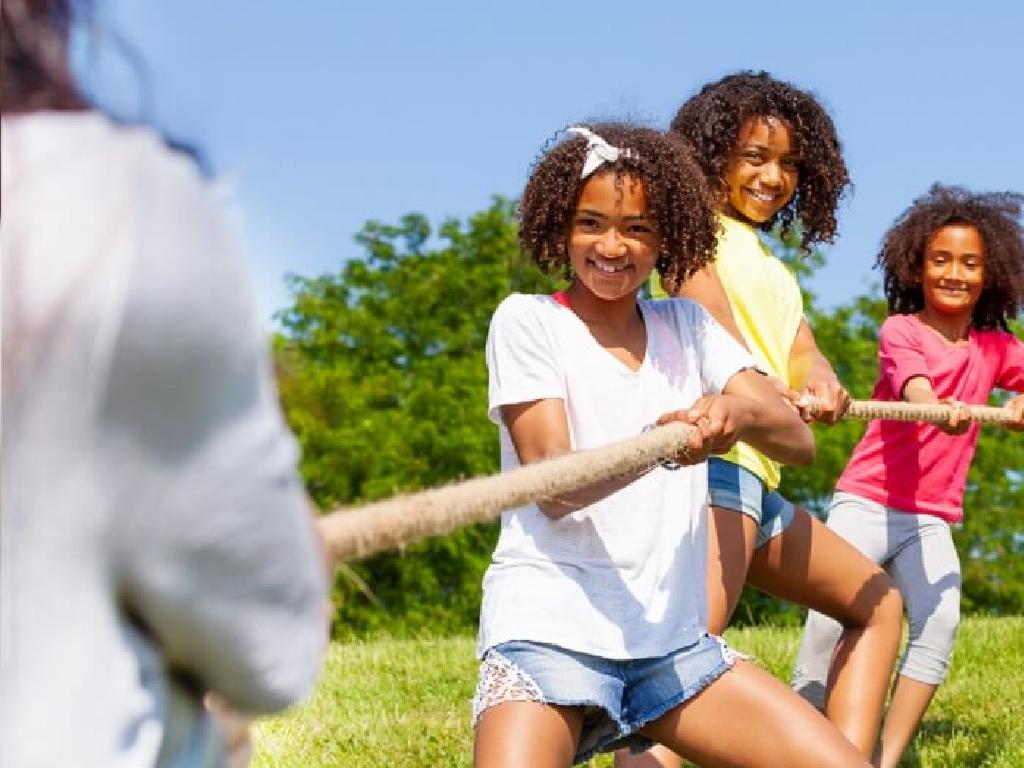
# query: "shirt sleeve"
x,y
216,556
900,353
720,356
1011,376
522,363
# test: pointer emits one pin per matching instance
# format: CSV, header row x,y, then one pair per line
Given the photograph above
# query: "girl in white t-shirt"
x,y
592,629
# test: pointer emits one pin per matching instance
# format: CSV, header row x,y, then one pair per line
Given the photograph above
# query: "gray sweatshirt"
x,y
154,538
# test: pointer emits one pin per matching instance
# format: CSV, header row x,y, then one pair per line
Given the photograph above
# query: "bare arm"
x,y
811,372
539,431
706,289
918,389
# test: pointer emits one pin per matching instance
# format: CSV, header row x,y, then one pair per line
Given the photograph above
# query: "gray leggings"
x,y
918,554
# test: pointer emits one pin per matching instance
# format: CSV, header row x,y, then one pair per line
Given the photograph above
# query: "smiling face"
x,y
613,244
763,171
953,270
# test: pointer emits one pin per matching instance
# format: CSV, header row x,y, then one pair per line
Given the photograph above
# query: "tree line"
x,y
382,378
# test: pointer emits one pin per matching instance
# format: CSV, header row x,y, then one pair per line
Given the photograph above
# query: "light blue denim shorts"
x,y
731,486
618,696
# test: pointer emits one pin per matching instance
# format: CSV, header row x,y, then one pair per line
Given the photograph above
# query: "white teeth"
x,y
609,268
762,197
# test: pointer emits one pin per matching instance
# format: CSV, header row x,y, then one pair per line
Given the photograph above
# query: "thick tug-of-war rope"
x,y
865,410
353,533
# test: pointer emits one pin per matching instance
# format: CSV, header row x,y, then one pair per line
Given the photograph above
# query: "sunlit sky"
x,y
327,114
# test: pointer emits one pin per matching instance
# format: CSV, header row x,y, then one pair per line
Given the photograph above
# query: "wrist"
x,y
744,412
822,374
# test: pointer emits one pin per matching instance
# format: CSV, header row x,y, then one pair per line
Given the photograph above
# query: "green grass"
x,y
406,703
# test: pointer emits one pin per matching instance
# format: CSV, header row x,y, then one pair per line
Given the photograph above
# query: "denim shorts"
x,y
618,696
731,486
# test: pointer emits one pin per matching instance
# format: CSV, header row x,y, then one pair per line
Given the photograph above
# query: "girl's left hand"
x,y
720,419
830,397
1016,405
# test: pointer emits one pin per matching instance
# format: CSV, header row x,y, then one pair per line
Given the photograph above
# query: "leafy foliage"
x,y
382,374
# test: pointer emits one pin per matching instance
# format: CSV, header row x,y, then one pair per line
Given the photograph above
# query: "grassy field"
x,y
406,703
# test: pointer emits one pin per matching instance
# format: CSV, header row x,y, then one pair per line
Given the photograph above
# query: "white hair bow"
x,y
599,151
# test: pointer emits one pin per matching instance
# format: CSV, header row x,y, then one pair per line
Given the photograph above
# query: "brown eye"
x,y
641,229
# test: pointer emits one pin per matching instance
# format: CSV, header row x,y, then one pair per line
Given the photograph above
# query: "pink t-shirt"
x,y
913,466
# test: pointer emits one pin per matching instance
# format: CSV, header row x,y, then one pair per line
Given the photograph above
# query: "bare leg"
x,y
527,734
749,719
731,536
813,566
656,757
909,702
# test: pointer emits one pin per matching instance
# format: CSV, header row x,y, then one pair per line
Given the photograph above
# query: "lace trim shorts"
x,y
618,696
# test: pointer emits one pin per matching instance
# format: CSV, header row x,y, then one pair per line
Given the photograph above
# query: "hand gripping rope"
x,y
353,533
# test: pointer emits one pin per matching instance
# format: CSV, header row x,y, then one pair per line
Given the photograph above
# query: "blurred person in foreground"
x,y
155,542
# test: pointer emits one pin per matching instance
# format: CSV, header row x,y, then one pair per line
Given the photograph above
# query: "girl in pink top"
x,y
954,276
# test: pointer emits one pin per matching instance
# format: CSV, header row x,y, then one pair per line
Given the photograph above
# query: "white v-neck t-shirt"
x,y
624,577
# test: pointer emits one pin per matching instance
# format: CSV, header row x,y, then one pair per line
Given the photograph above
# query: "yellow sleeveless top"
x,y
767,306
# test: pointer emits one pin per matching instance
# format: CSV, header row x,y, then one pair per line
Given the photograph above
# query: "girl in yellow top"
x,y
771,152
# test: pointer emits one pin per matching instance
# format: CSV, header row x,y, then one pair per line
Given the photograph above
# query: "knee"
x,y
878,604
889,610
940,625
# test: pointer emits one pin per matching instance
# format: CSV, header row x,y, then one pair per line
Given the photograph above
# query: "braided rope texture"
x,y
903,411
392,523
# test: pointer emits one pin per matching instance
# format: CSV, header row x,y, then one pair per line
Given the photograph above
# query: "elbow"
x,y
803,447
794,446
271,656
789,440
279,678
806,451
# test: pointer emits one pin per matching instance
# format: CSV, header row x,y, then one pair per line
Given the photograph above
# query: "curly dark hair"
x,y
711,122
996,216
34,69
677,197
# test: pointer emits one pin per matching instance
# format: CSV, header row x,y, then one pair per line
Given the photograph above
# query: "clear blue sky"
x,y
327,114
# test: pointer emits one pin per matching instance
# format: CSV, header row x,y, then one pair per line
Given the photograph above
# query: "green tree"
x,y
383,379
